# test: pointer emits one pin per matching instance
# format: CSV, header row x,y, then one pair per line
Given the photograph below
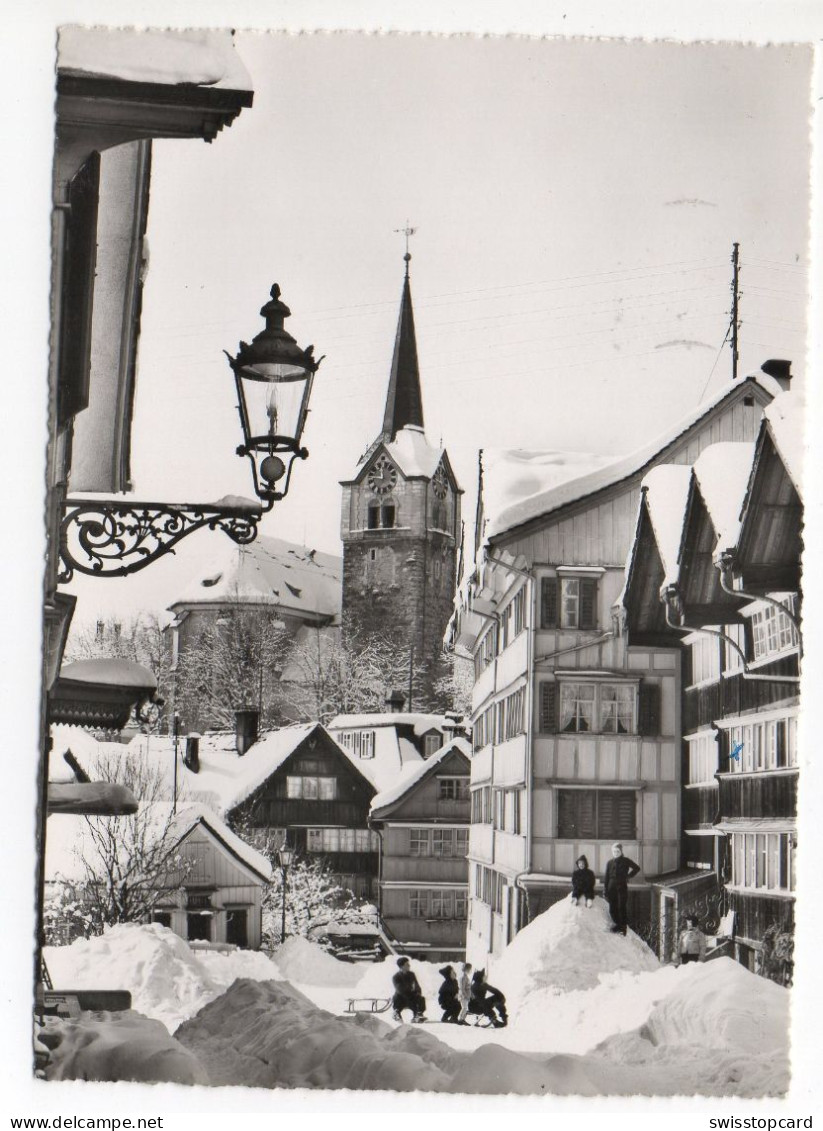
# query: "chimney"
x,y
191,758
395,701
246,727
780,369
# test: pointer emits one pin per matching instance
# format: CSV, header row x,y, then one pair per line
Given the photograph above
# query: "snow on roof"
x,y
186,819
413,453
545,501
421,722
511,479
667,489
785,419
292,577
391,752
69,839
414,773
722,473
196,58
110,670
83,746
225,779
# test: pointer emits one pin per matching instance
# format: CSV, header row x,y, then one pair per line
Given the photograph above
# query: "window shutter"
x,y
649,709
748,638
626,815
588,602
78,291
549,603
548,707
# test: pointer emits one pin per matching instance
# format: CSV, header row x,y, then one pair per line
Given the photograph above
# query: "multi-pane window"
x,y
437,903
311,788
360,742
509,810
585,706
733,661
483,728
763,861
486,652
770,744
596,814
453,789
489,887
568,602
616,708
432,744
772,631
705,658
702,757
482,806
512,618
577,707
439,842
341,840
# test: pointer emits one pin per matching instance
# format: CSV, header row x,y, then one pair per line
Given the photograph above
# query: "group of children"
x,y
469,993
459,995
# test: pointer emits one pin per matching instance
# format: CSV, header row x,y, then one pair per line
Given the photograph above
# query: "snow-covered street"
x,y
590,1013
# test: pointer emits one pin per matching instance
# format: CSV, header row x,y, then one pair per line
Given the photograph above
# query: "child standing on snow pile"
x,y
583,882
619,870
465,992
691,946
407,993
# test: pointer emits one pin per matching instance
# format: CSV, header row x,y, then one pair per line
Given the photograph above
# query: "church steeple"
x,y
404,403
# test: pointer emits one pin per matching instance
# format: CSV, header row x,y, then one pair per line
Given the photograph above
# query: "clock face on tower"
x,y
383,476
440,484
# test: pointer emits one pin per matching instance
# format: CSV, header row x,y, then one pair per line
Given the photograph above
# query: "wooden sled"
x,y
368,1004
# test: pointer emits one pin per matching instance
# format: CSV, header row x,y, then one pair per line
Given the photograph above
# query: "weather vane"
x,y
407,231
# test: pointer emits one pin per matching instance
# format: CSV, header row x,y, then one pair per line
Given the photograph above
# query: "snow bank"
x,y
168,981
299,960
269,1035
720,1024
568,948
117,1046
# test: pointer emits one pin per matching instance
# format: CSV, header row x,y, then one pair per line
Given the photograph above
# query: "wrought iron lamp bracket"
x,y
109,538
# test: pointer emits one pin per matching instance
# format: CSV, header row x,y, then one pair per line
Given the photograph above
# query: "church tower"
x,y
401,522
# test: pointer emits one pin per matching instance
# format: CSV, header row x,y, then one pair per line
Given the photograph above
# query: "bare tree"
x,y
325,677
233,662
128,862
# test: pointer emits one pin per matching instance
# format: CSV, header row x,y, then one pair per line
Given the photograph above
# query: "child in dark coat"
x,y
448,996
582,882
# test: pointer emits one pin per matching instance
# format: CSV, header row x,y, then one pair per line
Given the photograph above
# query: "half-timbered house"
x,y
423,822
576,738
715,568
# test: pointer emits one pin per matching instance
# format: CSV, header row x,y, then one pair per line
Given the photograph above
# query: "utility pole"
x,y
735,307
411,673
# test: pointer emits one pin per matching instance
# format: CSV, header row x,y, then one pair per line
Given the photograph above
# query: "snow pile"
x,y
568,948
269,1035
301,961
167,980
721,1024
719,1004
116,1046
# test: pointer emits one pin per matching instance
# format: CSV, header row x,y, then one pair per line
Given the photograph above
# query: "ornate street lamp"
x,y
285,855
116,537
274,379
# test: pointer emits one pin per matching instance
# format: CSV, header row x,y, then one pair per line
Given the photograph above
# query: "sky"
x,y
575,203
